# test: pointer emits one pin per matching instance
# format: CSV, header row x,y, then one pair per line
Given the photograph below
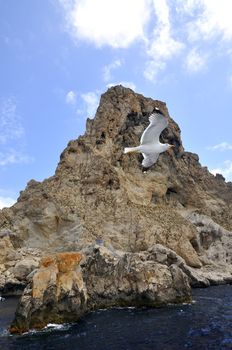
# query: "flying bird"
x,y
150,146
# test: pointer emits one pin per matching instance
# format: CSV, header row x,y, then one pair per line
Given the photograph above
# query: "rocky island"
x,y
102,232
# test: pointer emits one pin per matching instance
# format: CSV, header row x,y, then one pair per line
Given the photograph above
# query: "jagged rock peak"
x,y
120,119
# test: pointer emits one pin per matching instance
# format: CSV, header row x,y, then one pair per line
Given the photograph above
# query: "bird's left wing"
x,y
152,133
149,159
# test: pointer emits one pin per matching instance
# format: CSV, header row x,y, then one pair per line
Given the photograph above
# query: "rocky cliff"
x,y
100,195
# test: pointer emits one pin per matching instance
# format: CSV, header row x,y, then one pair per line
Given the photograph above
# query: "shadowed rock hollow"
x,y
100,194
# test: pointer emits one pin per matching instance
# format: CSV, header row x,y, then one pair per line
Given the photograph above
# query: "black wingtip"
x,y
157,110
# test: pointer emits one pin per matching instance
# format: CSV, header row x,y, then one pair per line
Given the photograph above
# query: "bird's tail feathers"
x,y
130,150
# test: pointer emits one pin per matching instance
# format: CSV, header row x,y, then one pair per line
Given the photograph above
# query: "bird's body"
x,y
150,146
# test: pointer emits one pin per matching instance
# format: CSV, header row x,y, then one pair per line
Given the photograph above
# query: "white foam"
x,y
56,326
49,328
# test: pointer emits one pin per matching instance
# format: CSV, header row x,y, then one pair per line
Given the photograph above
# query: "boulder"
x,y
62,289
56,293
116,278
6,248
24,267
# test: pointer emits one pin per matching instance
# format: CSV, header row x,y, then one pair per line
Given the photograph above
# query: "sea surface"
x,y
206,324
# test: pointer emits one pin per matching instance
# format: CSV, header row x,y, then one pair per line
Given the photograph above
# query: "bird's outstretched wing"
x,y
152,133
149,159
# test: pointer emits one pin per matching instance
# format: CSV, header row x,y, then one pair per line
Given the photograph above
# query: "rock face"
x,y
99,194
16,263
62,290
56,293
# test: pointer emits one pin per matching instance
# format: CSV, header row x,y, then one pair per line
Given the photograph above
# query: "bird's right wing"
x,y
149,159
152,133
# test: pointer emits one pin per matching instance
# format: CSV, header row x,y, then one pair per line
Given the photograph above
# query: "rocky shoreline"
x,y
102,232
68,285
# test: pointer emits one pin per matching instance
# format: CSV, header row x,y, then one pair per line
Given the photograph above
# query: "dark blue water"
x,y
206,324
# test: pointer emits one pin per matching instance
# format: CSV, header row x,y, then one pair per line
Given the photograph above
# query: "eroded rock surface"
x,y
56,293
99,194
63,290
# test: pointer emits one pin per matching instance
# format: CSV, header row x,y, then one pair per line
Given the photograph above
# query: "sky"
x,y
58,56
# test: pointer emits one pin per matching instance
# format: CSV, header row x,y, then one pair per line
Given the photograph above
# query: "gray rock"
x,y
24,267
62,289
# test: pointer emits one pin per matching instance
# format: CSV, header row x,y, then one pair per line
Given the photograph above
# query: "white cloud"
x,y
162,46
195,61
128,84
107,22
223,146
165,29
120,23
107,70
6,202
84,103
153,68
13,157
12,134
208,18
10,122
91,100
71,97
225,170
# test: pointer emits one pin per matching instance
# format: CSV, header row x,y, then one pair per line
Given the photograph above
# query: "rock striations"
x,y
143,236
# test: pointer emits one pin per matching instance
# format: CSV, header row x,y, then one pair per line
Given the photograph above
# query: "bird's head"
x,y
158,111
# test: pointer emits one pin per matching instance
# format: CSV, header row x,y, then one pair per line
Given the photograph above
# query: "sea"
x,y
206,324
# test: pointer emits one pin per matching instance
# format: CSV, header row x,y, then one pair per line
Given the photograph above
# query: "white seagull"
x,y
150,146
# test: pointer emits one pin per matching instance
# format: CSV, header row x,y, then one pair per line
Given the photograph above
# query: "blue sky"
x,y
58,56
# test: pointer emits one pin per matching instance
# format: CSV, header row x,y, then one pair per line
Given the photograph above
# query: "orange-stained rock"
x,y
57,293
67,261
44,277
47,260
58,269
17,330
64,291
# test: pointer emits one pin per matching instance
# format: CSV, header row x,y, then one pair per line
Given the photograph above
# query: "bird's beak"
x,y
171,146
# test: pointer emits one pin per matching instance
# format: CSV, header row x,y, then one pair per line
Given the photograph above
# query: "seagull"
x,y
150,146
